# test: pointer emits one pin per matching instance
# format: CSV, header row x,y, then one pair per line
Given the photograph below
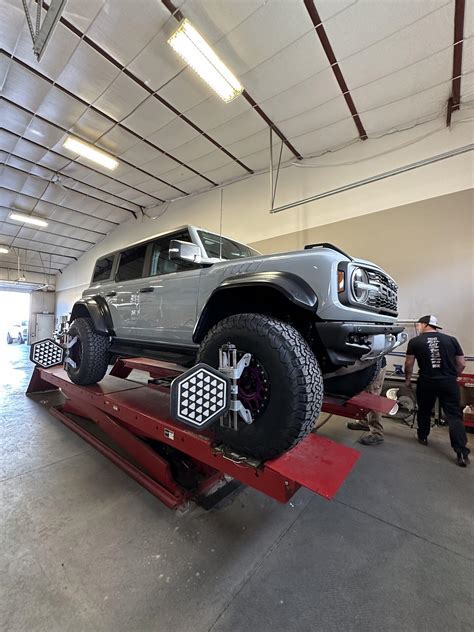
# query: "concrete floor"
x,y
85,548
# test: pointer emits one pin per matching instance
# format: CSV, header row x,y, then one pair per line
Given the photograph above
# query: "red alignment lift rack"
x,y
156,451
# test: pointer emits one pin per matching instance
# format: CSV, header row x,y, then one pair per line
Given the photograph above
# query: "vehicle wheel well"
x,y
79,311
255,300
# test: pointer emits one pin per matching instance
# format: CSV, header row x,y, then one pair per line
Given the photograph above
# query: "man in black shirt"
x,y
440,361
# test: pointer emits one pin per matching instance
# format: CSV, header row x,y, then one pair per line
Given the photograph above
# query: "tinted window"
x,y
160,256
103,269
223,248
131,263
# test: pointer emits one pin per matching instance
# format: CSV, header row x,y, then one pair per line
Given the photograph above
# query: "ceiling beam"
x,y
59,206
100,173
60,184
44,243
115,123
27,263
454,101
43,252
87,40
178,16
326,44
46,232
23,269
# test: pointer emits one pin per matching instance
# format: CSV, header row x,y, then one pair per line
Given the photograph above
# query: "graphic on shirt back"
x,y
435,356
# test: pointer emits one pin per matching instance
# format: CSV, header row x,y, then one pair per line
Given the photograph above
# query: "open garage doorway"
x,y
14,316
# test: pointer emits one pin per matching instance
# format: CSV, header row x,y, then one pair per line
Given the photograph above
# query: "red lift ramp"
x,y
136,418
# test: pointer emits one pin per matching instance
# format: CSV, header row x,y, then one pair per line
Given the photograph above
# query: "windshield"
x,y
222,248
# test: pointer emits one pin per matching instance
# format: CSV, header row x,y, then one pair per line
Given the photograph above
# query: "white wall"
x,y
246,203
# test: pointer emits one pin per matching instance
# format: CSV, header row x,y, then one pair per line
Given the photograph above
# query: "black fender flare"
x,y
97,309
290,285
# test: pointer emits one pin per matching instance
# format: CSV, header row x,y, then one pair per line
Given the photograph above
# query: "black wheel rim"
x,y
254,387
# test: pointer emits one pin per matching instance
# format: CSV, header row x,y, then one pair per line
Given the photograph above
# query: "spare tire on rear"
x,y
282,387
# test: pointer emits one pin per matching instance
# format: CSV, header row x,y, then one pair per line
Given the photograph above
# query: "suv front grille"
x,y
385,299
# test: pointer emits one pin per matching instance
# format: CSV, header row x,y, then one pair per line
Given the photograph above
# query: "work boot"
x,y
371,439
463,460
357,425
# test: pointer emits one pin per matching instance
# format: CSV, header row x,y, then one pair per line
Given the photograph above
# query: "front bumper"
x,y
346,343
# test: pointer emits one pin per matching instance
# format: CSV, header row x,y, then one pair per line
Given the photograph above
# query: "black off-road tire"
x,y
294,377
353,383
91,353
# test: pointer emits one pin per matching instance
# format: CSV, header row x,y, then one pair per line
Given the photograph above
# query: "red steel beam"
x,y
454,102
178,15
326,44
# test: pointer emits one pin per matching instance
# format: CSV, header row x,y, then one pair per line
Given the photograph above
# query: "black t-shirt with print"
x,y
436,354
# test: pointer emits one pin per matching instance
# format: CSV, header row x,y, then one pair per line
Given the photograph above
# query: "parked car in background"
x,y
18,333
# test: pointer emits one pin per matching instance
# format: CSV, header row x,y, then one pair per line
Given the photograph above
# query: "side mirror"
x,y
184,250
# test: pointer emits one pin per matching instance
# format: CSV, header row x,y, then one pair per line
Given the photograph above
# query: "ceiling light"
x,y
4,250
90,152
28,219
196,52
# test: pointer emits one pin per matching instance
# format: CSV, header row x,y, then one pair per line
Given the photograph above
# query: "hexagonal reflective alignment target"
x,y
46,353
200,396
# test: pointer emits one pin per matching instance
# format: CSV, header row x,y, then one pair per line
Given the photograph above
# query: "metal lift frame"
x,y
135,417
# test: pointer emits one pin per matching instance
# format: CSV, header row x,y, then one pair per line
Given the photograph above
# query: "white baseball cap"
x,y
430,320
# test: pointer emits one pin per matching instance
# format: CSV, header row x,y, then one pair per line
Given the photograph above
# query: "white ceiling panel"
x,y
43,133
247,44
176,176
186,91
467,88
303,97
191,185
367,22
223,174
13,19
405,82
13,118
212,160
407,111
158,63
261,159
34,187
128,175
415,42
118,22
159,165
214,112
215,18
197,147
117,141
149,117
241,126
29,151
53,161
294,64
61,108
24,88
82,12
4,64
139,154
320,116
121,97
57,53
7,141
88,74
91,126
327,138
172,135
166,193
40,171
251,144
14,179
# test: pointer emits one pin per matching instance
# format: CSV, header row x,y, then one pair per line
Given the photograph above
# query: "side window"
x,y
160,256
131,263
103,269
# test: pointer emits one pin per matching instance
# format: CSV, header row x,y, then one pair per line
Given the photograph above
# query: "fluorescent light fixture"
x,y
197,53
4,250
28,219
90,152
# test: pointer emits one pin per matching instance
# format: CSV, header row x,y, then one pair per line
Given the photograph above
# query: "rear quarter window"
x,y
103,269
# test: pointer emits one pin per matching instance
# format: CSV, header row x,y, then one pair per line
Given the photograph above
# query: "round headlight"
x,y
358,280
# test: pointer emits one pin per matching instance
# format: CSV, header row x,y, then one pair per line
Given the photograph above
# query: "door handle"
x,y
146,289
110,294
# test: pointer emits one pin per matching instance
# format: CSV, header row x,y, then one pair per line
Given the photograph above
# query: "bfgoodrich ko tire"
x,y
90,353
282,387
